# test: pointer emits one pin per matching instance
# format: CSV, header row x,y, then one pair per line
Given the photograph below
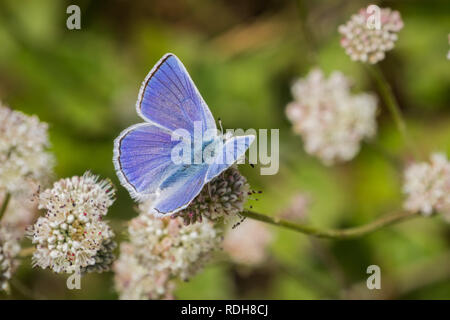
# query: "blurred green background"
x,y
243,55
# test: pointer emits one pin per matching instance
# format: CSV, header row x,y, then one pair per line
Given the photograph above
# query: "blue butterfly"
x,y
168,101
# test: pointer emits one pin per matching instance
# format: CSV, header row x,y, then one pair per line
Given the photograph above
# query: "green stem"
x,y
307,34
5,204
389,99
330,233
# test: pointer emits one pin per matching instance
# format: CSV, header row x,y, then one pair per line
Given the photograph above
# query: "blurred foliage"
x,y
243,56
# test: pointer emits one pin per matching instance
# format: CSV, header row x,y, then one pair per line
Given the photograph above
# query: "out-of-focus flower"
x,y
167,244
9,250
427,186
363,41
247,243
73,234
331,120
297,208
24,160
19,214
135,281
224,196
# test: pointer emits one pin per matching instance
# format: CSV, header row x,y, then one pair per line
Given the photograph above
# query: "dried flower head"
x,y
224,196
104,257
331,120
166,244
247,244
72,234
9,250
427,186
364,41
134,281
23,144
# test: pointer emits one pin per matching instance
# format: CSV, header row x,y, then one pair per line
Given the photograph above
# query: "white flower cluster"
x,y
134,281
72,232
331,120
363,41
23,156
247,244
427,186
167,244
9,249
162,249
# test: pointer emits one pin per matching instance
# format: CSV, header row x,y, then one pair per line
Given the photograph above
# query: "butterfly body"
x,y
172,108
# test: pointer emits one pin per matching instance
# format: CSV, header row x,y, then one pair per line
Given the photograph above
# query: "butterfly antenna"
x,y
247,160
239,222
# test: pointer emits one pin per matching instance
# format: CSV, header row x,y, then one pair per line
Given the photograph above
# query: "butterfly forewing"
x,y
170,99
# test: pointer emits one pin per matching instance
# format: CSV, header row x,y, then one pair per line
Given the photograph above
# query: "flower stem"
x,y
308,36
330,233
5,204
389,99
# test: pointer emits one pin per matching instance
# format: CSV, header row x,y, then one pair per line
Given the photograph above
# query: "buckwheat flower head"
x,y
363,41
331,120
9,250
72,233
134,281
23,151
167,244
224,196
427,186
247,244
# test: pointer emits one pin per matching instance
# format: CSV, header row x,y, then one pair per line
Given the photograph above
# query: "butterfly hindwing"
x,y
232,149
181,188
142,157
